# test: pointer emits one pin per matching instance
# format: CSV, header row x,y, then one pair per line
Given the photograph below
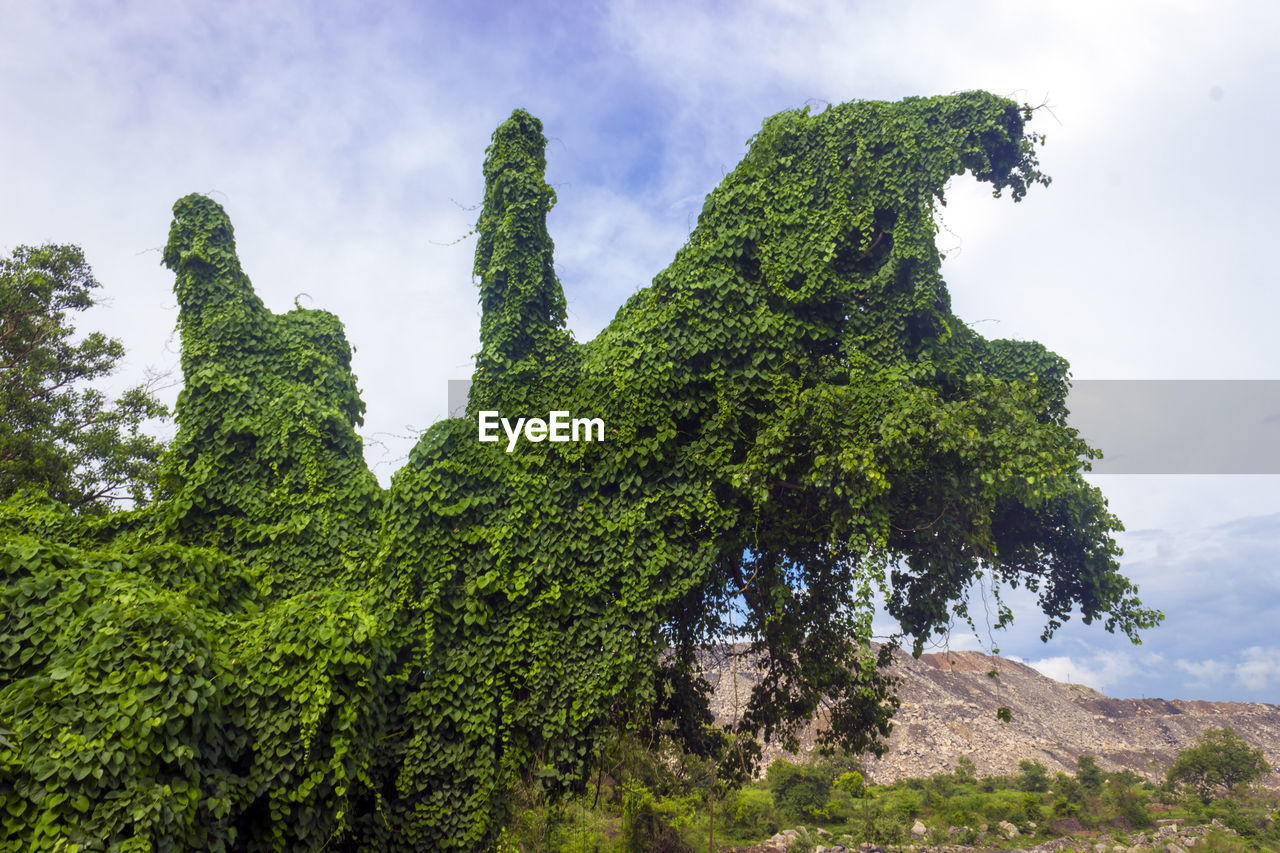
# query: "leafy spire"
x,y
522,329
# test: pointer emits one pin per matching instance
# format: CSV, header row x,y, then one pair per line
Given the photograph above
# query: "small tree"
x,y
57,434
1219,761
1089,774
1033,778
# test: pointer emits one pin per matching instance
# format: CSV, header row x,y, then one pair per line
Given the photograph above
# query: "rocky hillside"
x,y
949,704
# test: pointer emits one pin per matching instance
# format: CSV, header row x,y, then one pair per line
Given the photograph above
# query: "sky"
x,y
345,141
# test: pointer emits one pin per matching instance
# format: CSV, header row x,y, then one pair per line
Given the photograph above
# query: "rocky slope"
x,y
949,707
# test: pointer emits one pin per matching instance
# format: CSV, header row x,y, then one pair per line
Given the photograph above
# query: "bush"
x,y
752,811
905,807
1033,777
938,790
1068,788
1089,774
1063,807
801,792
1031,807
1233,817
1003,805
651,826
852,784
1131,803
883,829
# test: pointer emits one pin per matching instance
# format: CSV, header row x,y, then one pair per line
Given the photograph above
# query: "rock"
x,y
919,830
1066,826
1174,848
1007,829
1101,848
1170,821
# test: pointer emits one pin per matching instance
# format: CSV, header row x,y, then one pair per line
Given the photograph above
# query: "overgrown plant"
x,y
796,424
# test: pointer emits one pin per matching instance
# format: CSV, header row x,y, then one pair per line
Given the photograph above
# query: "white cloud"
x,y
1260,668
1204,672
1256,668
1103,671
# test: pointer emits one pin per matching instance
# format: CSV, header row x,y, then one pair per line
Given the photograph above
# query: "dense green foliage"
x,y
58,434
953,808
1219,761
796,423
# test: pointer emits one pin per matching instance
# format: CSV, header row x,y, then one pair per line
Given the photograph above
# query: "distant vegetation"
x,y
660,801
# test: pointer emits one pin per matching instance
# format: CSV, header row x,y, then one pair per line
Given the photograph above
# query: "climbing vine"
x,y
279,655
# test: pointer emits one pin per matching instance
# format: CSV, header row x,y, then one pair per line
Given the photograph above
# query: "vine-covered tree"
x,y
797,426
58,434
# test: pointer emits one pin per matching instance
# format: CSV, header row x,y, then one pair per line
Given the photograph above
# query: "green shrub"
x,y
651,826
885,830
998,808
801,792
1062,807
939,788
1130,802
1089,774
852,784
904,807
1033,776
1230,814
1031,807
752,811
965,770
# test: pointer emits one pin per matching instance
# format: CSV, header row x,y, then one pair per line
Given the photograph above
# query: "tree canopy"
x,y
796,427
59,434
1219,761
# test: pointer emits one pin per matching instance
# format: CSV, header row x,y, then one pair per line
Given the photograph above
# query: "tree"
x,y
797,427
1032,776
57,433
1219,761
1089,774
